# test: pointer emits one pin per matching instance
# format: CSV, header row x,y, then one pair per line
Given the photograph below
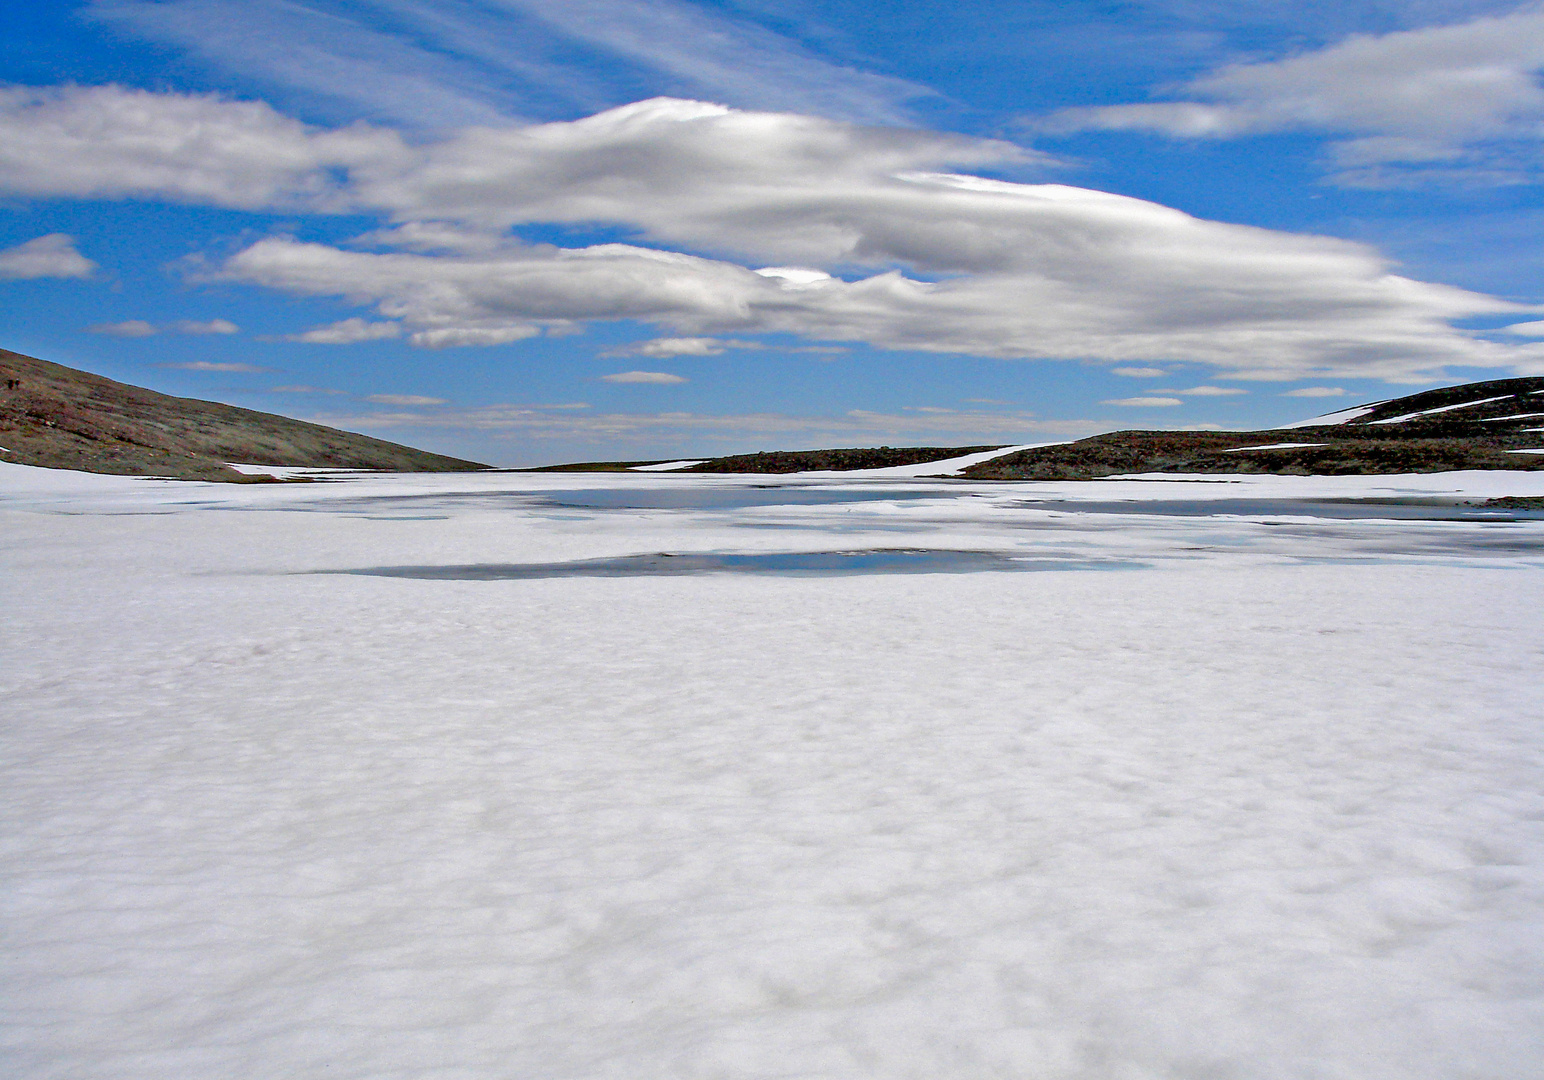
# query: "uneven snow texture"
x,y
1240,815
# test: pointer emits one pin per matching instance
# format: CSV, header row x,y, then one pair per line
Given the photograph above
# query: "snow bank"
x,y
668,466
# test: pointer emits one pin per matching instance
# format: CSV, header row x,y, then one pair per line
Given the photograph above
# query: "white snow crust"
x,y
287,472
1262,801
1273,446
668,466
942,467
1442,409
1343,416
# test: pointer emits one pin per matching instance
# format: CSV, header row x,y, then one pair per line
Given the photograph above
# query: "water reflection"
x,y
799,563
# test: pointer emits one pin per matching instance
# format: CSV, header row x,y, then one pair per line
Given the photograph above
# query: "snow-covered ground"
x,y
1226,786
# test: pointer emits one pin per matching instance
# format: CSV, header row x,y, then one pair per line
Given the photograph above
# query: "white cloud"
x,y
1144,402
130,328
51,256
662,348
348,332
528,421
110,142
213,326
856,236
1140,372
1208,391
694,346
1425,102
141,328
209,365
451,337
1316,391
659,377
403,399
1526,329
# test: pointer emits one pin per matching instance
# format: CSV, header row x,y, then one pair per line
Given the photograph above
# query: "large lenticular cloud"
x,y
748,222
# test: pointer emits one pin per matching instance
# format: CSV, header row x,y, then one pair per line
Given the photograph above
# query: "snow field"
x,y
1232,816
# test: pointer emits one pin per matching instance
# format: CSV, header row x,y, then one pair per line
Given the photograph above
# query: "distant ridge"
x,y
60,418
1483,425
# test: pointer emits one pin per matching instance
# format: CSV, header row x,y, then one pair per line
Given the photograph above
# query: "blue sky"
x,y
527,232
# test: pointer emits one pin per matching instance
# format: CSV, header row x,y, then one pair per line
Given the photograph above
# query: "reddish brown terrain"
x,y
60,418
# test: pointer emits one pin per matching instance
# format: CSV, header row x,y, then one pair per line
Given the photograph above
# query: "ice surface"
x,y
1269,808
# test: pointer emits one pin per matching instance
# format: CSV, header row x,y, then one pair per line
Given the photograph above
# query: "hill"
x,y
1483,425
60,418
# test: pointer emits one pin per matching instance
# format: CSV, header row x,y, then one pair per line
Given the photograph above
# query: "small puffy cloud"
x,y
403,399
659,377
1140,372
213,326
451,337
129,328
141,328
1316,391
1210,391
51,256
1144,402
209,365
682,346
347,332
663,348
1409,105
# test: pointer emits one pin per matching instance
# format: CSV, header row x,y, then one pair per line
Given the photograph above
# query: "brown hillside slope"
x,y
60,418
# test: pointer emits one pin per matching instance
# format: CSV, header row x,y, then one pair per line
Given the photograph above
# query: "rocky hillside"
x,y
60,418
1482,425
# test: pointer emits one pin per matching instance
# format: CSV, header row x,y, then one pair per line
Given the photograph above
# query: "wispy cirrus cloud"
x,y
459,62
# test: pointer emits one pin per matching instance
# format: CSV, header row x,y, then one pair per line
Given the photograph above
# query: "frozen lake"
x,y
611,777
